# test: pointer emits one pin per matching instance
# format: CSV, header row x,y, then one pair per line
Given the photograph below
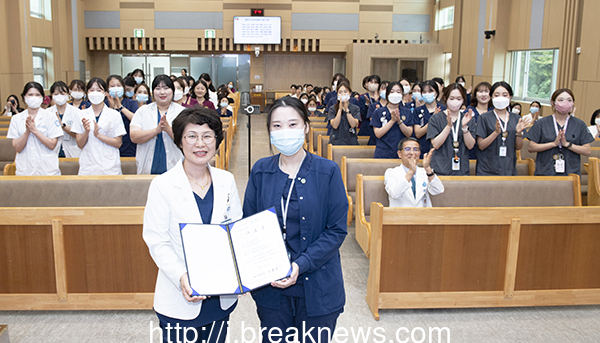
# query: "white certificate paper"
x,y
236,257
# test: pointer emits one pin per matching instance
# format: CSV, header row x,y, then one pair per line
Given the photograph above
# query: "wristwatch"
x,y
432,173
64,125
570,145
465,129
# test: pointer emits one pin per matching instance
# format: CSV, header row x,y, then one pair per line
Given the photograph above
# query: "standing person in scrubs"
x,y
142,94
499,135
99,134
77,91
309,197
560,139
374,106
126,107
67,114
452,134
372,95
151,130
344,118
35,133
391,123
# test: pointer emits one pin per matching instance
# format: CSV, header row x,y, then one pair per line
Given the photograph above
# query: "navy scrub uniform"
x,y
489,161
421,117
543,131
387,145
441,161
344,134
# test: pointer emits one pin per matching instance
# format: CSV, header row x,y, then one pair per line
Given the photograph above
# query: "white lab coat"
x,y
68,143
593,130
36,158
97,157
400,190
214,98
171,202
146,118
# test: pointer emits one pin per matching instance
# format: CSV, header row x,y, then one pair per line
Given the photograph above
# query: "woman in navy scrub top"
x,y
191,192
428,91
308,194
125,106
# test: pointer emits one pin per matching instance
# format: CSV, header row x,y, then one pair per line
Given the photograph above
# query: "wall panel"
x,y
283,70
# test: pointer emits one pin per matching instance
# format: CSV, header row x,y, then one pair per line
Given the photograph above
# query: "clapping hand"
x,y
498,129
427,158
467,118
86,124
560,138
522,124
30,125
395,115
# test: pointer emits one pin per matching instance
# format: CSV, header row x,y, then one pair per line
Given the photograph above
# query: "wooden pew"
x,y
313,137
335,152
323,143
84,253
593,186
483,256
469,191
7,152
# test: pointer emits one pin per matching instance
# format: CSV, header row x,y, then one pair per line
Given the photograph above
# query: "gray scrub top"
x,y
344,134
543,131
441,161
489,161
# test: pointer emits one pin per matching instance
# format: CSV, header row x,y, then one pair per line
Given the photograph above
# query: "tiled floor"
x,y
489,325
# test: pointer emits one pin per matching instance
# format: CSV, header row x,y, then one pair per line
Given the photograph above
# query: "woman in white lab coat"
x,y
191,192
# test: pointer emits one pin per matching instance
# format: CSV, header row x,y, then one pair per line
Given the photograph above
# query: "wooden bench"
x,y
470,191
350,167
335,152
484,256
593,186
7,152
84,253
313,137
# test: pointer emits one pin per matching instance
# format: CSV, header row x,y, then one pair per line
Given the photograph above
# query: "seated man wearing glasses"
x,y
409,185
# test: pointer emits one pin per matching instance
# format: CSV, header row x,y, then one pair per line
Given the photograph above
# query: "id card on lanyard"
x,y
455,144
284,208
559,159
504,129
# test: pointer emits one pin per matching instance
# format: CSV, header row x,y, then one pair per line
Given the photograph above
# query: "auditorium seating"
x,y
335,152
7,152
542,252
313,138
593,189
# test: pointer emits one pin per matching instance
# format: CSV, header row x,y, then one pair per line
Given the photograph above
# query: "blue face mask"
x,y
429,97
382,95
288,141
141,97
224,104
534,110
417,96
116,91
129,94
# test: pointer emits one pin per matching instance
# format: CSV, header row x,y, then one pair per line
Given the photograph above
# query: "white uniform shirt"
x,y
593,130
68,143
212,96
36,158
400,190
146,118
97,157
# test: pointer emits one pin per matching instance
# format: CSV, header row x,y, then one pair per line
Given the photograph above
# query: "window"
x,y
534,74
40,9
445,18
39,66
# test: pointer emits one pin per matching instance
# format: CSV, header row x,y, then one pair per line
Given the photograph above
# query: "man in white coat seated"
x,y
409,185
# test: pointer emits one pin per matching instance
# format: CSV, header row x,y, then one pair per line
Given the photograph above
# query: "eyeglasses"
x,y
192,138
408,149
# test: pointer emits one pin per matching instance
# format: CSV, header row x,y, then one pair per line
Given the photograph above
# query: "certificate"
x,y
237,257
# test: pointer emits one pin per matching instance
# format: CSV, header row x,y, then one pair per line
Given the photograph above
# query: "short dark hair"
x,y
536,102
293,86
207,79
97,81
594,115
365,81
193,93
135,71
32,84
431,84
503,84
407,139
438,80
129,81
118,77
181,81
336,76
374,77
388,89
199,116
560,91
458,87
60,85
458,78
79,83
287,102
476,90
163,79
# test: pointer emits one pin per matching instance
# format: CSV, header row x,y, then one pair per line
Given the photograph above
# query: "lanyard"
x,y
455,132
556,128
284,209
503,127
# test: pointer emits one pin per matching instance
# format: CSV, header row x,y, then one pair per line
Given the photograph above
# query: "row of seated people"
x,y
110,128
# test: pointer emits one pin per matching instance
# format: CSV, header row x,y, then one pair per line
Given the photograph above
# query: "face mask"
x,y
141,97
96,97
343,98
534,110
597,121
230,86
429,97
77,95
382,95
116,91
138,80
186,90
462,84
129,94
500,102
288,141
60,99
372,87
304,101
516,111
563,107
334,86
454,105
395,98
406,89
34,101
177,95
417,96
224,104
312,109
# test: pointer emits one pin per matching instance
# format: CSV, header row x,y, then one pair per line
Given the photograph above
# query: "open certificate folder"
x,y
236,257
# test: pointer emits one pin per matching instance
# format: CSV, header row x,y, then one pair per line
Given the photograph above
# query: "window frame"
x,y
42,53
519,80
444,19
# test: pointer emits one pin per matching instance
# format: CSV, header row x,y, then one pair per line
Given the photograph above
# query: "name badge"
x,y
559,166
456,163
502,151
